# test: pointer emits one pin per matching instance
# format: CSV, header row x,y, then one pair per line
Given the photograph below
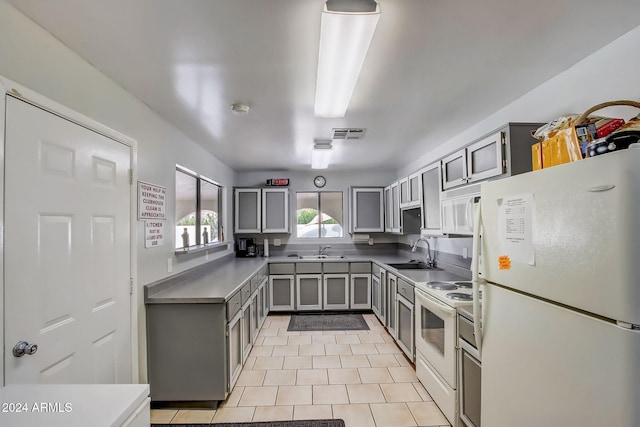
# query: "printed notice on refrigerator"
x,y
516,225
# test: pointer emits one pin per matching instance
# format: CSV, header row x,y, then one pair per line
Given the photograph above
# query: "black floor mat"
x,y
294,423
327,322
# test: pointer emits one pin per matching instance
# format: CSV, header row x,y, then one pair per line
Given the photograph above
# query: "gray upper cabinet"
x,y
367,209
392,208
431,191
275,210
409,189
261,210
505,151
248,202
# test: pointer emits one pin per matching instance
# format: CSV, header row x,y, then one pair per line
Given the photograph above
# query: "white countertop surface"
x,y
69,405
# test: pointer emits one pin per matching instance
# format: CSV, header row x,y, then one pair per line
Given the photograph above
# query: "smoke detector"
x,y
239,109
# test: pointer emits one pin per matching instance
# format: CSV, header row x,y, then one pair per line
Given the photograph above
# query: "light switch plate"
x,y
169,265
465,253
277,242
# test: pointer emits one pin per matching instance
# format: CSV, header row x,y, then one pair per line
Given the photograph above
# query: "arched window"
x,y
319,215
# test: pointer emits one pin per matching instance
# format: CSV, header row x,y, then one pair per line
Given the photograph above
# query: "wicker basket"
x,y
565,145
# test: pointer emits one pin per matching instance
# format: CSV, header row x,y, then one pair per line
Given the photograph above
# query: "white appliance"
x,y
560,338
456,209
436,337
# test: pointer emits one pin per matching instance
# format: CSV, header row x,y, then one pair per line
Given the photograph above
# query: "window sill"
x,y
212,247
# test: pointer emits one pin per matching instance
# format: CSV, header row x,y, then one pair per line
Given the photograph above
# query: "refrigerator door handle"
x,y
475,278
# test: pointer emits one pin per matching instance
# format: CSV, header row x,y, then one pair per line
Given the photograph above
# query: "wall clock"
x,y
319,181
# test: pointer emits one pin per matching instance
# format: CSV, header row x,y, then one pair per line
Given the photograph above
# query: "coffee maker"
x,y
246,247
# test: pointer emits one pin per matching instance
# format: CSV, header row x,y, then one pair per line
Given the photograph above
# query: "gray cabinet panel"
x,y
360,291
275,210
309,292
367,206
335,267
281,293
375,295
282,268
309,267
336,291
172,328
406,290
405,327
360,267
392,289
234,304
431,191
247,206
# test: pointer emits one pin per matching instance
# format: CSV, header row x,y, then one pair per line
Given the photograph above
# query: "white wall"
x,y
608,74
33,58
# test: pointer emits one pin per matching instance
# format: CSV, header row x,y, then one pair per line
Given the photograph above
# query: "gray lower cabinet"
x,y
189,358
247,329
281,293
405,322
360,291
336,291
234,349
309,292
392,286
375,295
263,301
383,297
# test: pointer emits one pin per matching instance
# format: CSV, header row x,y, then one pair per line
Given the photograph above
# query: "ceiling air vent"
x,y
347,133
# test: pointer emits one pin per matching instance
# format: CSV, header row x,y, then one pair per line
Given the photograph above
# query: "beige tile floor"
x,y
359,376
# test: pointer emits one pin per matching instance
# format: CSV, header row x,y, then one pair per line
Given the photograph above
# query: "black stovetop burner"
x,y
459,296
464,285
443,286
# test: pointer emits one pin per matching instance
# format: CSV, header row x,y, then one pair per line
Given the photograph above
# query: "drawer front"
x,y
406,290
234,304
335,267
282,268
309,268
255,282
360,267
375,270
246,292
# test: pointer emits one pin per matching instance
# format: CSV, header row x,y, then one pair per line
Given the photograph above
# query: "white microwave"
x,y
456,209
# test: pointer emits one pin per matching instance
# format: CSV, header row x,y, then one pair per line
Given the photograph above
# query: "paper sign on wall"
x,y
515,217
153,233
151,201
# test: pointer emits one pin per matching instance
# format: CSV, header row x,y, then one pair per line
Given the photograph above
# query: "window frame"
x,y
198,217
320,239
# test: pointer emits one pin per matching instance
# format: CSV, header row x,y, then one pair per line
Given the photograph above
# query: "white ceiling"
x,y
435,67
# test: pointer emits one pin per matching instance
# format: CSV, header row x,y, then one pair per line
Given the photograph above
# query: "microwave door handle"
x,y
468,213
475,278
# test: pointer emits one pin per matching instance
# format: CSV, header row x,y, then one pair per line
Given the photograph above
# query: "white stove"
x,y
452,293
436,305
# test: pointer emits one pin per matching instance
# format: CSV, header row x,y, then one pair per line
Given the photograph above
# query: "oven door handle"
x,y
450,311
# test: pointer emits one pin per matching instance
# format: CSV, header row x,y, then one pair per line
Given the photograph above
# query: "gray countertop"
x,y
220,280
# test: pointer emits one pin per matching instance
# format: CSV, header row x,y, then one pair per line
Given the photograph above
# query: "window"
x,y
198,219
319,215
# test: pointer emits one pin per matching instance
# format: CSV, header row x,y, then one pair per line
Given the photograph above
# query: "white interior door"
x,y
67,250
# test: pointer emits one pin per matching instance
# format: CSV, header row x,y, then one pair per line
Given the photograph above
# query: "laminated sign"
x,y
151,201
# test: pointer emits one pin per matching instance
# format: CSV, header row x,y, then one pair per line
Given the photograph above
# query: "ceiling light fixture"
x,y
344,40
321,155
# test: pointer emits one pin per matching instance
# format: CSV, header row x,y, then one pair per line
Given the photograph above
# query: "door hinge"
x,y
503,138
130,176
131,286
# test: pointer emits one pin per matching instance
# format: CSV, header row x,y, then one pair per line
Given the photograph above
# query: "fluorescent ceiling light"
x,y
344,41
321,155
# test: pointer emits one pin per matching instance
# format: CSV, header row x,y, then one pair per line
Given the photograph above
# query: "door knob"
x,y
23,348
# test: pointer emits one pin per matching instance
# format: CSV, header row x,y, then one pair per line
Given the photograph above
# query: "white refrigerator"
x,y
557,257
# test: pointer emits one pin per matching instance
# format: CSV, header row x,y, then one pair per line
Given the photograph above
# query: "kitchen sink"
x,y
412,266
320,257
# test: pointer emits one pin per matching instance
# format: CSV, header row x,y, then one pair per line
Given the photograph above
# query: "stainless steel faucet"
x,y
430,262
323,249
